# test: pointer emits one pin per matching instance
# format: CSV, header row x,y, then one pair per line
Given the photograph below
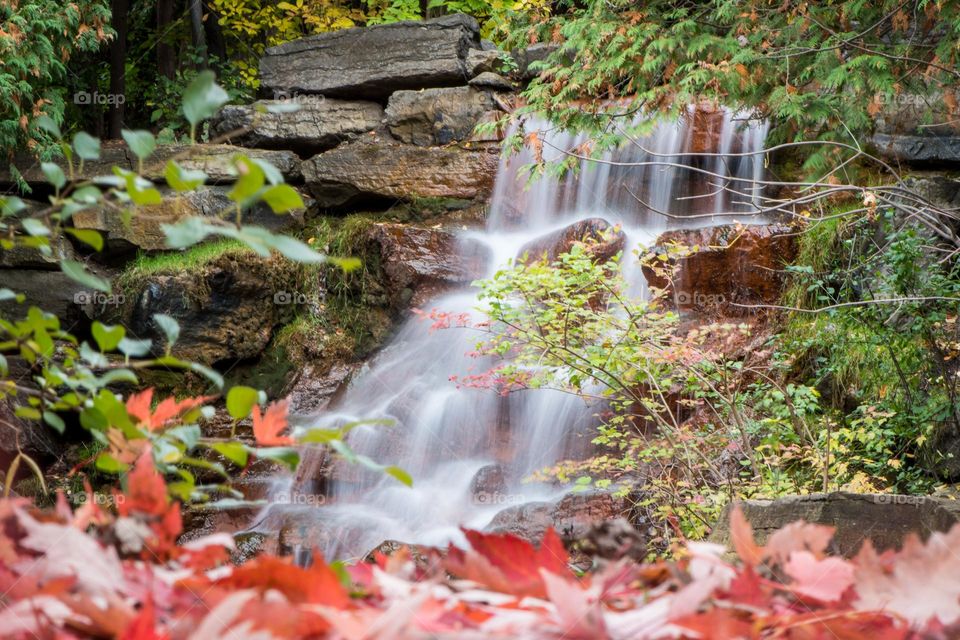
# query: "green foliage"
x,y
37,40
886,373
816,70
83,382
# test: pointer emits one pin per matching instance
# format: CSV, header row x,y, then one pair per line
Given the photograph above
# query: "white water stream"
x,y
443,435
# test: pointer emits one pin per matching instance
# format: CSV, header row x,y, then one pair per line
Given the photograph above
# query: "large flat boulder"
x,y
436,116
142,230
51,291
729,266
214,159
920,150
376,61
369,170
319,124
885,519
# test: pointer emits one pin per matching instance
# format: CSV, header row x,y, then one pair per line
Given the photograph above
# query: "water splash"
x,y
443,435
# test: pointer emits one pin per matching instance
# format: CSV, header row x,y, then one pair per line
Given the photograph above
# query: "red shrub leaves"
x,y
508,564
66,574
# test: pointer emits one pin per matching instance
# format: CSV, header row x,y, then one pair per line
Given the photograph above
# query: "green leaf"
x,y
249,183
187,232
141,196
86,146
54,174
240,401
399,474
11,205
235,452
88,237
78,273
134,348
207,373
46,123
34,227
108,337
108,464
203,98
283,198
54,421
296,250
141,143
284,455
169,326
181,179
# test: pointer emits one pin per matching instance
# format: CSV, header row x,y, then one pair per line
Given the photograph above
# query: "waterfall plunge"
x,y
443,435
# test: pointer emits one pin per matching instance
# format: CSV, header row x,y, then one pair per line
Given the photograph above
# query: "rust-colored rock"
x,y
706,127
731,266
413,256
602,241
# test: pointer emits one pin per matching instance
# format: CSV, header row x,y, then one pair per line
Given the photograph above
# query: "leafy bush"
x,y
37,40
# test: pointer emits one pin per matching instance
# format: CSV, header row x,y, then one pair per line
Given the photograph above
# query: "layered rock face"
x,y
376,61
363,171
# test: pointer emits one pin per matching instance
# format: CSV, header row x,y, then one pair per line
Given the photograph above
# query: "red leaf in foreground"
x,y
741,535
143,627
825,580
717,624
316,585
266,428
509,564
146,491
919,583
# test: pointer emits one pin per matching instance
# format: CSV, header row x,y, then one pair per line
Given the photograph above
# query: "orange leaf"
x,y
267,427
146,490
316,585
741,535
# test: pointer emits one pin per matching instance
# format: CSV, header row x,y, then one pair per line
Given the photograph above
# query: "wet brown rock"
x,y
601,239
370,169
882,518
733,265
314,390
706,127
414,256
572,517
577,512
488,481
226,309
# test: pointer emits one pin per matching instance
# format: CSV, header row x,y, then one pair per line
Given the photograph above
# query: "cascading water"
x,y
441,435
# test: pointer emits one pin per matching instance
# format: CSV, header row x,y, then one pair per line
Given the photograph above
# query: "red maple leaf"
x,y
317,585
138,406
507,563
267,427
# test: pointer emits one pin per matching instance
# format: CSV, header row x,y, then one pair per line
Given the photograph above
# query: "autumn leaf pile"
x,y
94,573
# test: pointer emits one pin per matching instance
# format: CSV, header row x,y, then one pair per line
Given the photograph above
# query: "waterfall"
x,y
443,435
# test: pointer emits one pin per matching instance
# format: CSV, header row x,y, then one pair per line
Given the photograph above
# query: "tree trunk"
x,y
215,42
166,60
197,31
118,60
